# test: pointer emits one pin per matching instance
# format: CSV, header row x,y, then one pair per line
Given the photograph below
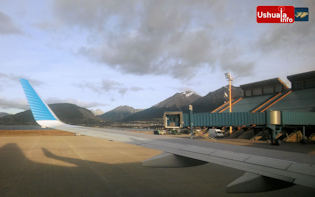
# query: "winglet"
x,y
42,114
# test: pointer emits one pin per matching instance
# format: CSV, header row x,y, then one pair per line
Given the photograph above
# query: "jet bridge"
x,y
274,120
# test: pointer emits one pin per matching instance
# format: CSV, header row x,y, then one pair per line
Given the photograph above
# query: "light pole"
x,y
228,76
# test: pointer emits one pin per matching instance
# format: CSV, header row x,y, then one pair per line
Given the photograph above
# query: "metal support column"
x,y
274,132
191,123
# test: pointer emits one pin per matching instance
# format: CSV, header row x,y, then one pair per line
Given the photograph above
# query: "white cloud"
x,y
164,37
13,104
109,86
7,26
76,102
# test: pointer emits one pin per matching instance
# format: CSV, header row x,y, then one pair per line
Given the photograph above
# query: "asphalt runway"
x,y
88,166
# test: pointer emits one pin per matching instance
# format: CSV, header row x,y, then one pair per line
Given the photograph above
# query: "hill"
x,y
119,113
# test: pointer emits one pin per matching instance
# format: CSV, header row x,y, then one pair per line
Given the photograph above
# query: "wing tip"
x,y
42,113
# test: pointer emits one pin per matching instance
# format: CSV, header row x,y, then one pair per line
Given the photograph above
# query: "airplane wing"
x,y
264,169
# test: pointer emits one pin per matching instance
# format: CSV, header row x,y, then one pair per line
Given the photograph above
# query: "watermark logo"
x,y
275,14
301,14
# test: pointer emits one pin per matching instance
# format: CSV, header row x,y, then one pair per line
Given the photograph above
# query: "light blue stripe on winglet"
x,y
39,109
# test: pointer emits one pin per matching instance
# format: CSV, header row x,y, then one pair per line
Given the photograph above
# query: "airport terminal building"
x,y
268,104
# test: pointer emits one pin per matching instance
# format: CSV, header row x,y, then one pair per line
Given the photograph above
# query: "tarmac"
x,y
87,166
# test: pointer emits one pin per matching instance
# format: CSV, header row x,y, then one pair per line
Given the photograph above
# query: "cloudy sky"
x,y
101,54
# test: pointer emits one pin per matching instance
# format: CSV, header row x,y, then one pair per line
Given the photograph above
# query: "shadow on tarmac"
x,y
20,176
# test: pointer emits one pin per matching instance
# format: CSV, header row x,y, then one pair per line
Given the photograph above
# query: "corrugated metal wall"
x,y
226,119
247,118
298,118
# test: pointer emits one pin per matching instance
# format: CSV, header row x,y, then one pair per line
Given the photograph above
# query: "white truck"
x,y
215,133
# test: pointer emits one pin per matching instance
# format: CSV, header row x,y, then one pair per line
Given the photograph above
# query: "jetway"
x,y
281,118
274,120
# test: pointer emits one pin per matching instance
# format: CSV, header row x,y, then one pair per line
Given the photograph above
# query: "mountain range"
x,y
3,114
73,114
119,113
177,102
66,112
214,99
